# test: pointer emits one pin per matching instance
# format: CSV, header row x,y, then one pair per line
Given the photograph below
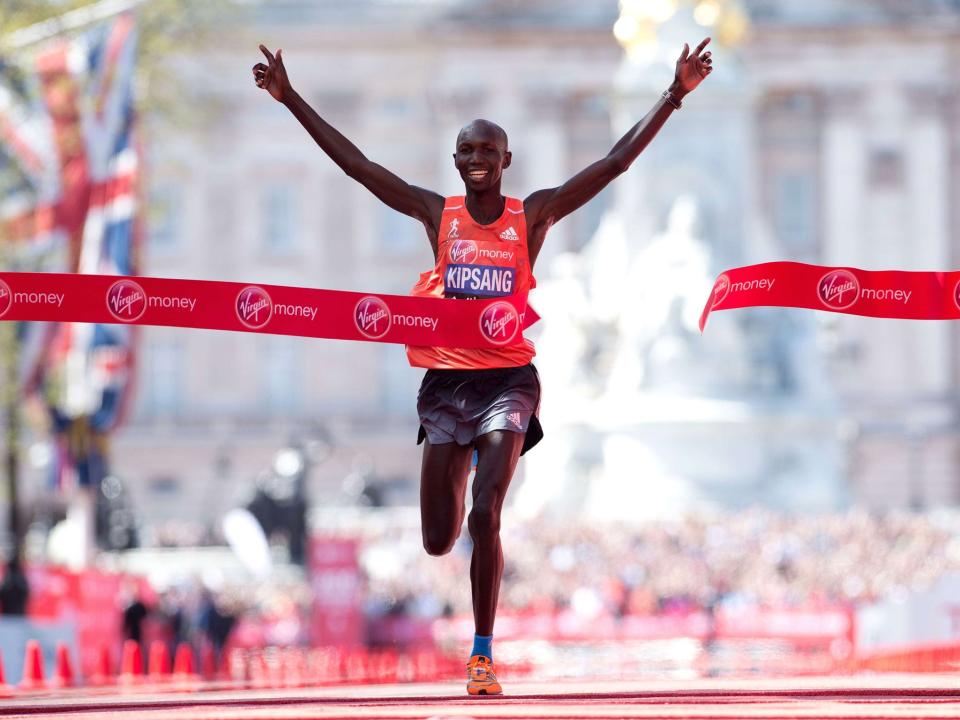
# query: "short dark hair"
x,y
498,131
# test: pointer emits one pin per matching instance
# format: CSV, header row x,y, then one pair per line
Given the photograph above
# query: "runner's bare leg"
x,y
443,486
498,453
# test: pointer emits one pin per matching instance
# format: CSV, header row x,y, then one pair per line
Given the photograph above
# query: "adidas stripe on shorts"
x,y
461,405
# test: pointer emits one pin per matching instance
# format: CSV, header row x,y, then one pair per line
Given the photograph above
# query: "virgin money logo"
x,y
126,301
720,289
6,298
372,317
463,251
499,322
956,297
838,289
254,307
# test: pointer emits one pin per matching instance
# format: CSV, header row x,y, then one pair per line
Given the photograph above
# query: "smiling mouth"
x,y
477,174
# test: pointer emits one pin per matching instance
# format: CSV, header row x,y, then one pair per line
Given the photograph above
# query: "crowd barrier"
x,y
804,626
297,667
928,657
762,642
271,667
79,608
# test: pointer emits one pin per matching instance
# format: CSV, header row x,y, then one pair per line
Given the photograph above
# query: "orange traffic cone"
x,y
5,690
425,663
324,665
225,665
131,665
33,674
259,673
159,665
102,675
63,672
385,667
353,669
299,671
406,672
208,662
184,665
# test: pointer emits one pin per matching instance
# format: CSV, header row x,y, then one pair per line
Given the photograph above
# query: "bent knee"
x,y
436,544
483,522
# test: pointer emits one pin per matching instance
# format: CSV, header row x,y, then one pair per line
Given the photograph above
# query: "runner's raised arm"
x,y
545,207
424,205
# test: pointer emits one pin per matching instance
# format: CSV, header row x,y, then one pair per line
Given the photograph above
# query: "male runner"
x,y
484,245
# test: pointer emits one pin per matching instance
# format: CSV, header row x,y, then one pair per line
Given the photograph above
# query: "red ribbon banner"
x,y
873,293
273,309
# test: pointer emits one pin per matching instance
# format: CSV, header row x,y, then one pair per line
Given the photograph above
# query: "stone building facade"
x,y
851,155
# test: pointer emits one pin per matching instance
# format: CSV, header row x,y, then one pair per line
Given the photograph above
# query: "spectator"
x,y
134,613
174,617
216,622
15,588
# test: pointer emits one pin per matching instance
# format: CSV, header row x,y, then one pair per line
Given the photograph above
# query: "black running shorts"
x,y
461,405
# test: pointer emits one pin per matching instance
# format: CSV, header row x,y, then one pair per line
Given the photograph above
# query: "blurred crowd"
x,y
274,613
752,558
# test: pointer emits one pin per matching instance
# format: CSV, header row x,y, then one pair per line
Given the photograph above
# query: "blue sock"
x,y
482,645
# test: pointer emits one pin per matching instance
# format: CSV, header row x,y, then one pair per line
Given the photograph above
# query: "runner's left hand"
x,y
272,77
692,67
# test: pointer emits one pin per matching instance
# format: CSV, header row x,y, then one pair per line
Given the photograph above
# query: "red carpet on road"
x,y
876,696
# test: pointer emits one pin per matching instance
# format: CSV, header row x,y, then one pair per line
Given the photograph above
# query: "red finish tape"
x,y
873,293
273,309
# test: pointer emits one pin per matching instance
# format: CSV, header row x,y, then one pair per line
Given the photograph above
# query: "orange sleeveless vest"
x,y
482,261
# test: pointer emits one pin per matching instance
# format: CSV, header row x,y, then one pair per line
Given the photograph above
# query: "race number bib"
x,y
479,280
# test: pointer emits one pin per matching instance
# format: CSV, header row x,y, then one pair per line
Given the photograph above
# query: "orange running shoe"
x,y
480,677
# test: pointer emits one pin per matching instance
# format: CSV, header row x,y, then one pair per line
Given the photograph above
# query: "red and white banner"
x,y
873,293
89,600
337,584
274,309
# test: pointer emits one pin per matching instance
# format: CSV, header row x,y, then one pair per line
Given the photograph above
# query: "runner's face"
x,y
481,157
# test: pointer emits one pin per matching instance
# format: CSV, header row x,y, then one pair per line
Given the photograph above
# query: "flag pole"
x,y
72,20
10,403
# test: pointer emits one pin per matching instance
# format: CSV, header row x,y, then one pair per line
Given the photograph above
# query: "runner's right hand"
x,y
272,76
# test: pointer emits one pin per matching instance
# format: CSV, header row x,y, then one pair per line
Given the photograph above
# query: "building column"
x,y
927,161
843,167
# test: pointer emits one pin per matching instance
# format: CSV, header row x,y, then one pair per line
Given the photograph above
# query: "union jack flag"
x,y
71,139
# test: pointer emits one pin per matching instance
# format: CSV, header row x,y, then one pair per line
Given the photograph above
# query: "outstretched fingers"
x,y
267,54
700,47
685,53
